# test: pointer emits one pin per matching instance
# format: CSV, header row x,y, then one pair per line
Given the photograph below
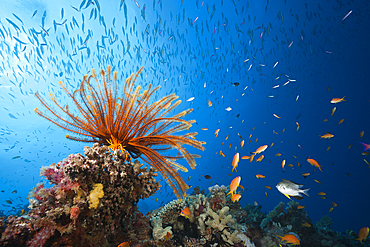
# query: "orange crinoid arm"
x,y
126,120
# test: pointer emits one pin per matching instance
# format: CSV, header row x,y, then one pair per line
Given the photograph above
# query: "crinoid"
x,y
128,123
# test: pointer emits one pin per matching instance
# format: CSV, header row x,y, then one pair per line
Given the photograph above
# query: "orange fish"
x,y
251,157
168,236
362,134
325,120
235,162
203,128
124,244
327,136
235,197
363,234
321,193
314,163
283,164
305,174
186,213
289,239
209,103
333,110
241,186
268,187
306,224
334,204
260,158
317,181
245,158
341,121
278,154
260,176
242,144
331,209
216,132
297,125
337,100
234,185
300,207
276,115
260,149
229,145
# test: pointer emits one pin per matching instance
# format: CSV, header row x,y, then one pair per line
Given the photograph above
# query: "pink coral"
x,y
40,238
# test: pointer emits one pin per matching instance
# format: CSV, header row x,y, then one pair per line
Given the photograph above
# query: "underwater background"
x,y
269,69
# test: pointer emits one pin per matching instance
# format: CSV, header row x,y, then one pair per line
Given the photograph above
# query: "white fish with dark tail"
x,y
291,189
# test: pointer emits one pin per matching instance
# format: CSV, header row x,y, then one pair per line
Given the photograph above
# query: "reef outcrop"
x,y
91,202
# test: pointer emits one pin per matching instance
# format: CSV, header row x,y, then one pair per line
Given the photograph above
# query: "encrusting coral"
x,y
92,202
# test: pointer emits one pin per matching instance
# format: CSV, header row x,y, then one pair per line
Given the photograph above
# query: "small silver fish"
x,y
289,188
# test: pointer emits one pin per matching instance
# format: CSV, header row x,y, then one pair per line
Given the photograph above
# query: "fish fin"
x,y
287,196
305,192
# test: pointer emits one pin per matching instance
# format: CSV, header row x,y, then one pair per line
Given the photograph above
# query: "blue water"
x,y
203,58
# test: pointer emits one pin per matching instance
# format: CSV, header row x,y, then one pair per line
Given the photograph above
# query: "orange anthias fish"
x,y
289,239
234,185
235,162
260,176
186,213
363,234
124,244
327,136
314,163
216,132
235,197
337,100
283,164
260,149
260,158
242,144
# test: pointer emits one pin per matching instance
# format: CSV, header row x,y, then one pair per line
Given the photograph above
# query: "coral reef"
x,y
92,202
63,215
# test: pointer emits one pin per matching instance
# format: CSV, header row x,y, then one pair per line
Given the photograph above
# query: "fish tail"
x,y
366,146
343,98
359,239
320,168
305,192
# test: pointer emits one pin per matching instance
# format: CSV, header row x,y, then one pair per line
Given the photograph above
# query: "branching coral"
x,y
126,121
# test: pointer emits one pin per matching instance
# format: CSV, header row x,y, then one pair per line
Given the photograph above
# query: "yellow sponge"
x,y
95,195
